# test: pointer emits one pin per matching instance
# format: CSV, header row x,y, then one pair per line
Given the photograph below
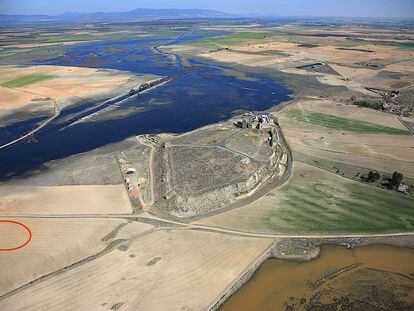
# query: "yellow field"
x,y
377,151
64,82
56,243
100,199
165,270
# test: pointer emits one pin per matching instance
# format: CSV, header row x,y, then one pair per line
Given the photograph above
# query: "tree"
x,y
396,179
373,176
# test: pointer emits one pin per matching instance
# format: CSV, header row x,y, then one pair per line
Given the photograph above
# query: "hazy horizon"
x,y
316,8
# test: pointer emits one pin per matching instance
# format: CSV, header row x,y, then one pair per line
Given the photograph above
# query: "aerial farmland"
x,y
195,160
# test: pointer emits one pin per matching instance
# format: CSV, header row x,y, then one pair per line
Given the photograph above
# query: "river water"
x,y
383,280
199,97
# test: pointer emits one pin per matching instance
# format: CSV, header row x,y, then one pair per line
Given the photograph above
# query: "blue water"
x,y
202,96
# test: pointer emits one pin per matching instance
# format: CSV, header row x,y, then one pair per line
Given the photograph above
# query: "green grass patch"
x,y
27,79
326,206
89,37
327,121
8,53
236,38
246,35
317,202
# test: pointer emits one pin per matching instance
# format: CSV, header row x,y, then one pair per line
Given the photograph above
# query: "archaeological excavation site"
x,y
216,166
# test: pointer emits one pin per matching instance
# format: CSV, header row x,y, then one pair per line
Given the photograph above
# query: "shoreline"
x,y
314,251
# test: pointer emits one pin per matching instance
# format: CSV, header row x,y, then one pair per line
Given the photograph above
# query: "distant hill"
x,y
134,14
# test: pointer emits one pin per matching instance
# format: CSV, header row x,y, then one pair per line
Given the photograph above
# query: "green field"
x,y
326,121
236,38
67,37
70,38
326,207
27,79
318,202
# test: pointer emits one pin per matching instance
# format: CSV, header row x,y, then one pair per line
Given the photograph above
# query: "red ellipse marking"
x,y
22,245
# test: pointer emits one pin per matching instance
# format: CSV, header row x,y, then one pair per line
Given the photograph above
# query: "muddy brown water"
x,y
375,277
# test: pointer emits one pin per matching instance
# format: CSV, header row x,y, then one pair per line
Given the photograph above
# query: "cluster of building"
x,y
312,67
388,102
129,173
252,121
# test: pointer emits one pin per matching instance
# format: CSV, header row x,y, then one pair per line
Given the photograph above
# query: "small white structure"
x,y
403,188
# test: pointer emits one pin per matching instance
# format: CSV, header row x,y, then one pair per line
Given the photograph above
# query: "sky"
x,y
347,8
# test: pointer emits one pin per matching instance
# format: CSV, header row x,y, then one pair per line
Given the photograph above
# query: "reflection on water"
x,y
378,277
202,96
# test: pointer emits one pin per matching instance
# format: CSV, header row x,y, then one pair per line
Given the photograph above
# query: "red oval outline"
x,y
20,246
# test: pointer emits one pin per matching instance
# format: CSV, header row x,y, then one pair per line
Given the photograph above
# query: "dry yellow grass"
x,y
381,159
100,199
13,235
11,98
385,153
56,243
164,270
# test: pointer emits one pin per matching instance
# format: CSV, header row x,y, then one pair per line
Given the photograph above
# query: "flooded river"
x,y
376,277
203,95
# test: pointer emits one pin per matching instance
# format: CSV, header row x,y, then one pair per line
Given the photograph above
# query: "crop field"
x,y
322,120
361,155
347,170
71,36
59,83
350,111
57,242
26,79
237,38
315,201
80,199
162,270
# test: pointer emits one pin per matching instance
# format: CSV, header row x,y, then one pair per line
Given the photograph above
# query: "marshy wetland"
x,y
374,277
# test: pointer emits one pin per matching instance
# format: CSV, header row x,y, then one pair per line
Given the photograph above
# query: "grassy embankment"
x,y
321,120
26,79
